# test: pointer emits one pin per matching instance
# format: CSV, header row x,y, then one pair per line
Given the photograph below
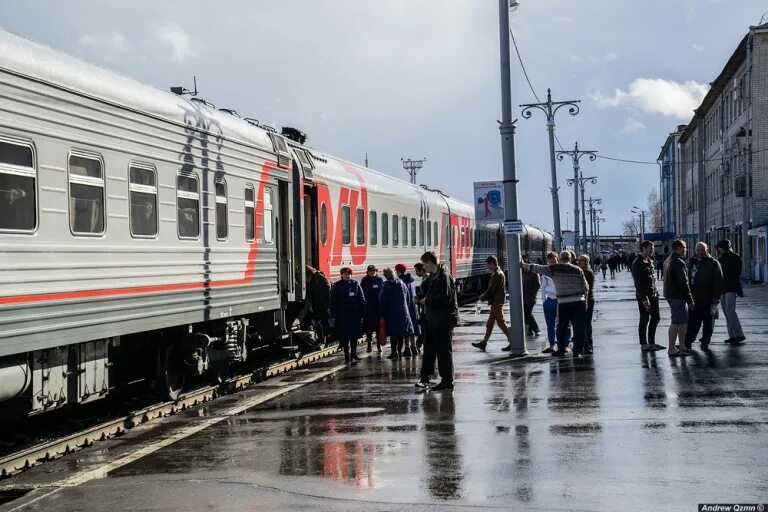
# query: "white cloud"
x,y
657,96
592,59
108,44
632,126
178,39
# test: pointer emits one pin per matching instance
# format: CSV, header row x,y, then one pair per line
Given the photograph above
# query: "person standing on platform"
x,y
496,295
647,297
371,285
549,304
731,264
572,289
706,287
583,262
531,286
613,262
418,268
393,308
677,291
442,315
604,265
319,301
347,310
410,342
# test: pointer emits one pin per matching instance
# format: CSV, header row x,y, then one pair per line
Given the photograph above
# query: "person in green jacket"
x,y
496,296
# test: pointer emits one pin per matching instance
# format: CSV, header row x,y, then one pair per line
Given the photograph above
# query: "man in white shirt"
x,y
549,301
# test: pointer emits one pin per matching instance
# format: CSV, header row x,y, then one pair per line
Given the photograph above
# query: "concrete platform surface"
x,y
620,430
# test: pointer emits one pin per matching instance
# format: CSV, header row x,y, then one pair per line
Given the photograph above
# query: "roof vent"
x,y
229,111
294,134
251,120
204,102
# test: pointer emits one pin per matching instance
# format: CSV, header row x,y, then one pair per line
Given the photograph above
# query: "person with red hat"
x,y
347,309
410,342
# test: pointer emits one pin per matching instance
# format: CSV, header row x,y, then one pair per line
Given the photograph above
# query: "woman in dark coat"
x,y
410,284
393,307
371,284
347,309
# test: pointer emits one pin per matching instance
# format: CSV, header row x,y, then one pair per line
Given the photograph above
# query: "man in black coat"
x,y
319,300
706,286
371,284
677,291
647,297
732,267
442,315
583,264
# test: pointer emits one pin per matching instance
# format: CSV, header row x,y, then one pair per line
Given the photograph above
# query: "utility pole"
x,y
507,130
641,212
592,202
412,166
550,108
578,185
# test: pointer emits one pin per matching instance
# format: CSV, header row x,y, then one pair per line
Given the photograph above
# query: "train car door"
x,y
283,240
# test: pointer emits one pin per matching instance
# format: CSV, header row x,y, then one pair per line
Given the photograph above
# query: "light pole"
x,y
641,212
592,202
412,166
550,108
578,184
507,130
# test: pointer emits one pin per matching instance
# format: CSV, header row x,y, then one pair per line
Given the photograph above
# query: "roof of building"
x,y
737,59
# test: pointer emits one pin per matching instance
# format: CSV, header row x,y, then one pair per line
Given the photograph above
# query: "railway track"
x,y
32,456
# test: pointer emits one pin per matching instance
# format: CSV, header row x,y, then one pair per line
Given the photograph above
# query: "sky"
x,y
402,79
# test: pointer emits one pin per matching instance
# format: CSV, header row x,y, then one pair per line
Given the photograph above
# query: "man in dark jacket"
x,y
347,309
677,291
418,268
583,263
647,297
531,286
706,286
496,295
442,315
730,262
571,288
371,285
319,301
393,307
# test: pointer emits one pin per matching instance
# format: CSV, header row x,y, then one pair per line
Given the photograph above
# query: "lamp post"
x,y
578,184
550,108
592,202
507,130
593,229
641,213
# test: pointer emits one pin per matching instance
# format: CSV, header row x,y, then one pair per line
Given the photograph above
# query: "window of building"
x,y
413,232
360,227
250,208
373,229
346,228
222,222
269,221
395,230
323,224
18,204
188,205
384,229
86,195
142,189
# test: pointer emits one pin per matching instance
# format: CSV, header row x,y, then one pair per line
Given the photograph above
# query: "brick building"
x,y
706,166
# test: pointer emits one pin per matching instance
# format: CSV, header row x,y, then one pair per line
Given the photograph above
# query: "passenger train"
x,y
147,236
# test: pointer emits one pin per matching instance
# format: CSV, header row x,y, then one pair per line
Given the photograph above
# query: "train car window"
x,y
413,232
268,220
435,237
188,205
395,230
250,207
373,229
222,222
18,204
429,234
142,189
405,231
360,227
323,224
86,195
384,229
346,229
421,232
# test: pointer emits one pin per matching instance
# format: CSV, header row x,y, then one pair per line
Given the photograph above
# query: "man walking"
x,y
677,291
583,263
731,265
647,297
706,286
442,315
572,288
496,296
549,304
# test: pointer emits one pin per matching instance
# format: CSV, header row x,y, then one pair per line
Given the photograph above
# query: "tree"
x,y
631,227
654,210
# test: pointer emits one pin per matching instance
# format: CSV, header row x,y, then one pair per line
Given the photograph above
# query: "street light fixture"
x,y
579,179
641,212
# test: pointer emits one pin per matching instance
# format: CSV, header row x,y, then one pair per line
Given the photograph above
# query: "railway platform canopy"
x,y
621,429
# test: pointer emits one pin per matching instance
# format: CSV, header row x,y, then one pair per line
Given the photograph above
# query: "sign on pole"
x,y
513,227
489,202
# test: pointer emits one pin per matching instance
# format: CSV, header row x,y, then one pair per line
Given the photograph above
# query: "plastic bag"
x,y
382,334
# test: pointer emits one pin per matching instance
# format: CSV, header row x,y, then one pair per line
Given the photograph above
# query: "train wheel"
x,y
170,371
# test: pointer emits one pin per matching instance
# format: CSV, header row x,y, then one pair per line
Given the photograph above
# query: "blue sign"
x,y
659,237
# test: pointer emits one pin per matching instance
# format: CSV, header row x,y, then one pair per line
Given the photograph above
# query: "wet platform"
x,y
617,430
